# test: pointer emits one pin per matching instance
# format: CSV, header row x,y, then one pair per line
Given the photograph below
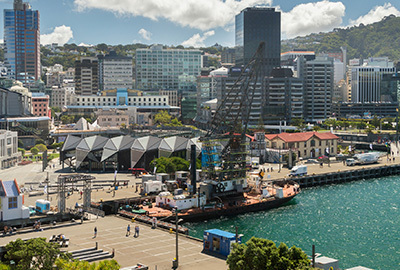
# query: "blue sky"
x,y
189,22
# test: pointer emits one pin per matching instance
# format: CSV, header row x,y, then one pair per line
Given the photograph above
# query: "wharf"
x,y
336,173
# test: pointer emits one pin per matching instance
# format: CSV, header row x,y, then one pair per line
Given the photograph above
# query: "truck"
x,y
154,187
255,163
363,159
298,170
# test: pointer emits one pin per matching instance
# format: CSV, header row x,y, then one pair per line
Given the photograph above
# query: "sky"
x,y
189,22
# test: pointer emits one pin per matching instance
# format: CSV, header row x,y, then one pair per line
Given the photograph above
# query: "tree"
x,y
169,165
84,265
376,122
67,119
33,254
261,254
41,147
316,128
299,123
162,118
34,150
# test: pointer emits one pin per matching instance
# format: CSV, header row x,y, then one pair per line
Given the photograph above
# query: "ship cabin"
x,y
181,201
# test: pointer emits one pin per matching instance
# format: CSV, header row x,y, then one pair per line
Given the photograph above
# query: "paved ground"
x,y
154,247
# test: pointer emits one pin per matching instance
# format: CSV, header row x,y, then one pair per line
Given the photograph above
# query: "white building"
x,y
9,154
115,71
11,201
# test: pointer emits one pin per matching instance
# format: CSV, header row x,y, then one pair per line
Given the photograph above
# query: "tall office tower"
x,y
318,82
22,42
283,98
255,25
86,76
366,83
115,71
158,68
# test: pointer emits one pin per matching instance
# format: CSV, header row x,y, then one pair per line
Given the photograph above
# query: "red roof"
x,y
302,136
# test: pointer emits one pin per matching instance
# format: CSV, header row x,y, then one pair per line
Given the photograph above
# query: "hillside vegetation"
x,y
363,41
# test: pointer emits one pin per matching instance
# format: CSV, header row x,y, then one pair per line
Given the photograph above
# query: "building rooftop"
x,y
302,136
221,233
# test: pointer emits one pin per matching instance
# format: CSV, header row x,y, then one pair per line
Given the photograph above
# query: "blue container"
x,y
218,241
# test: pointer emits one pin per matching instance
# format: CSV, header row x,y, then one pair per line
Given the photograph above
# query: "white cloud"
x,y
203,15
61,35
198,41
145,34
1,41
85,45
376,14
309,18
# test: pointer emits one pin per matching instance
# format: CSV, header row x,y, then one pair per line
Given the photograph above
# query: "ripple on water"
x,y
356,223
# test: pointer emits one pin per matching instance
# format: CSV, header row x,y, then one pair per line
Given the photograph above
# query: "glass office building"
x,y
22,42
255,25
158,68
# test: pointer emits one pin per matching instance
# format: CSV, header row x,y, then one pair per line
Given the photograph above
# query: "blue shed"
x,y
219,241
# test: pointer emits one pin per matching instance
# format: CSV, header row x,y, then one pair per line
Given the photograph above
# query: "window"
x,y
12,202
312,142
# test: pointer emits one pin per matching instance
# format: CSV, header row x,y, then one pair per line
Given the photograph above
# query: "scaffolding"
x,y
64,182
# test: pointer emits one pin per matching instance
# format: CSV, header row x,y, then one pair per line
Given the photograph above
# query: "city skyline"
x,y
194,23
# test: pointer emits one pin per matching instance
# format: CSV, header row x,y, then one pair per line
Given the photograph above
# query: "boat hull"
x,y
232,211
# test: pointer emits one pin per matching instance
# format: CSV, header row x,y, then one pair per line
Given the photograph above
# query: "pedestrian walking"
x,y
136,231
154,223
128,230
95,232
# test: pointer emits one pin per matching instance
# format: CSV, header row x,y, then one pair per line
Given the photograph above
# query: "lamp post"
x,y
175,262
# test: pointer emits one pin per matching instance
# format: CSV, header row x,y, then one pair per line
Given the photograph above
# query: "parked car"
x,y
311,161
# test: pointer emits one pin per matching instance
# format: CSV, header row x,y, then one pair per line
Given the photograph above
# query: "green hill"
x,y
363,41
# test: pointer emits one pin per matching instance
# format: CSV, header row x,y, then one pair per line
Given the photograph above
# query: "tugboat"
x,y
196,207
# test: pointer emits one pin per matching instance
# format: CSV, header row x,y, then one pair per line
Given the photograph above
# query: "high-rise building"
x,y
22,42
255,25
366,83
115,71
283,98
318,86
86,76
158,68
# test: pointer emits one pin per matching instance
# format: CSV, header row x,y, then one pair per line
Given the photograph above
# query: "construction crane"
x,y
224,146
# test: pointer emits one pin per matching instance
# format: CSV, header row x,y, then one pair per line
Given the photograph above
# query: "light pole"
x,y
175,263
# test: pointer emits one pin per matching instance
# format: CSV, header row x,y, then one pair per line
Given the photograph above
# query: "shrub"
x,y
21,150
41,147
34,150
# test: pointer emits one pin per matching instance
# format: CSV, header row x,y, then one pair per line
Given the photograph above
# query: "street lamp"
x,y
175,262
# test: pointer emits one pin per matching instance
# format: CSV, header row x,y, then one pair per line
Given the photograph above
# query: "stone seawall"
x,y
347,176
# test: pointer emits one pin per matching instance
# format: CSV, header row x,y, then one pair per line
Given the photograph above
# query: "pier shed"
x,y
219,241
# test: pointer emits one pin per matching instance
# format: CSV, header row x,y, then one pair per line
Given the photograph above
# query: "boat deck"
x,y
231,203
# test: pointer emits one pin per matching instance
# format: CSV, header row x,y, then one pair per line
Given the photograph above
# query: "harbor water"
x,y
357,223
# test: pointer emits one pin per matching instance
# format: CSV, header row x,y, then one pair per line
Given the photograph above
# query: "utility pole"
x,y
47,186
279,160
175,262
